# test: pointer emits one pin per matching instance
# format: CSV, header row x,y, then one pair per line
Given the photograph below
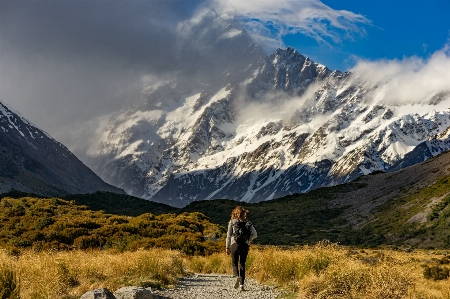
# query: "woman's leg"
x,y
243,252
235,258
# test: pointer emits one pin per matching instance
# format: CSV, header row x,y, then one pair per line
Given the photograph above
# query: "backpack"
x,y
241,231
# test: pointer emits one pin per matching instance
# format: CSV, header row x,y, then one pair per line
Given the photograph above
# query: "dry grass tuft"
x,y
9,283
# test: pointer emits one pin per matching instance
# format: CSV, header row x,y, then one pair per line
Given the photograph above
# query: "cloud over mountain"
x,y
411,80
268,21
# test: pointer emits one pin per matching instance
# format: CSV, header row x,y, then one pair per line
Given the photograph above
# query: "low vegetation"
x,y
303,219
324,270
330,271
419,219
56,224
298,219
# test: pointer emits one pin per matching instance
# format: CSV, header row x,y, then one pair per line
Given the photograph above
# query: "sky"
x,y
397,29
65,63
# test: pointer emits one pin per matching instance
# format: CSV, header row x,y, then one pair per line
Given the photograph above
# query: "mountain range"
x,y
253,127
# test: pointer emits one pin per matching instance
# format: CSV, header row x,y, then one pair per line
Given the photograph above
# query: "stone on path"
x,y
102,293
133,293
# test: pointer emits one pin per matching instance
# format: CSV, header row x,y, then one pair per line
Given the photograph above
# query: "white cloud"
x,y
410,80
83,138
269,20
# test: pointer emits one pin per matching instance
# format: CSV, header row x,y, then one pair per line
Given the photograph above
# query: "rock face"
x,y
276,125
32,161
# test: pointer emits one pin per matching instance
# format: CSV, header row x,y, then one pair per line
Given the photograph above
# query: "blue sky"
x,y
398,28
392,29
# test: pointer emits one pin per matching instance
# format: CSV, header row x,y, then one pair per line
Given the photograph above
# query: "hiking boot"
x,y
241,288
238,281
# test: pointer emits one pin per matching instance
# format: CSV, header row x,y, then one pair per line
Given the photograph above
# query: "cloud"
x,y
63,63
268,21
409,80
84,138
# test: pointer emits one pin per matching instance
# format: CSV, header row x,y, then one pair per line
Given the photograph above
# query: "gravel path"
x,y
215,286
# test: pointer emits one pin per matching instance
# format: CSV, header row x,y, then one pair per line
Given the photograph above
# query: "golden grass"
x,y
70,274
321,271
330,271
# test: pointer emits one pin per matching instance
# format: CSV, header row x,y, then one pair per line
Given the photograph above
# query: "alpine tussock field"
x,y
322,271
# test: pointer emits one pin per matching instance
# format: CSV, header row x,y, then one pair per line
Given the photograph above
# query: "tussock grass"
x,y
322,271
70,274
330,271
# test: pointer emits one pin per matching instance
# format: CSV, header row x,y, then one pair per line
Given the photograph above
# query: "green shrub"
x,y
44,222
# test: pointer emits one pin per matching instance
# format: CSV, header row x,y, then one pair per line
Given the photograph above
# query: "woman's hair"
x,y
239,213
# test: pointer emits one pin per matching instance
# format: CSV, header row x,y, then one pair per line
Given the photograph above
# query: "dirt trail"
x,y
215,286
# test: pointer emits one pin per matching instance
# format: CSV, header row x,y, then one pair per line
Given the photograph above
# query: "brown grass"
x,y
321,271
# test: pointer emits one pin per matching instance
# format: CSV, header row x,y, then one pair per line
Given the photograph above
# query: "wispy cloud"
x,y
66,62
409,80
268,21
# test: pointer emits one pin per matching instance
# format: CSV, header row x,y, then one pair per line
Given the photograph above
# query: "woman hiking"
x,y
239,235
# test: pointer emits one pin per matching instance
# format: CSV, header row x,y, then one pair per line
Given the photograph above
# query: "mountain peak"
x,y
288,52
277,124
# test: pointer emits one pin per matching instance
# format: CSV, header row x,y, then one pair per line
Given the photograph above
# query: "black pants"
x,y
239,254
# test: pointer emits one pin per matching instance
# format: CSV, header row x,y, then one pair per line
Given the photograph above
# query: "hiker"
x,y
240,233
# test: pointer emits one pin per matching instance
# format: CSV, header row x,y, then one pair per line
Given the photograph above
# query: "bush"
x,y
351,279
57,224
435,273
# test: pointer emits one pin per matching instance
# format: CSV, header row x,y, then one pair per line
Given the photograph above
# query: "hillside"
x,y
119,204
406,207
34,162
108,202
53,223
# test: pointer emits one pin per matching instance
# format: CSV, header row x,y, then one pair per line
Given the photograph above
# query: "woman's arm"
x,y
253,234
228,241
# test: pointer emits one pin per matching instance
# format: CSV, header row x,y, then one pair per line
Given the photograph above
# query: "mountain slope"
x,y
406,207
32,161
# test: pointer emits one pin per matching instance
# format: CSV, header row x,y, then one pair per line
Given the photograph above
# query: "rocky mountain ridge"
x,y
32,161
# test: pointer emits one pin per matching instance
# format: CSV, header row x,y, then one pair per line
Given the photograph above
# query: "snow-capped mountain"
x,y
266,127
32,161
